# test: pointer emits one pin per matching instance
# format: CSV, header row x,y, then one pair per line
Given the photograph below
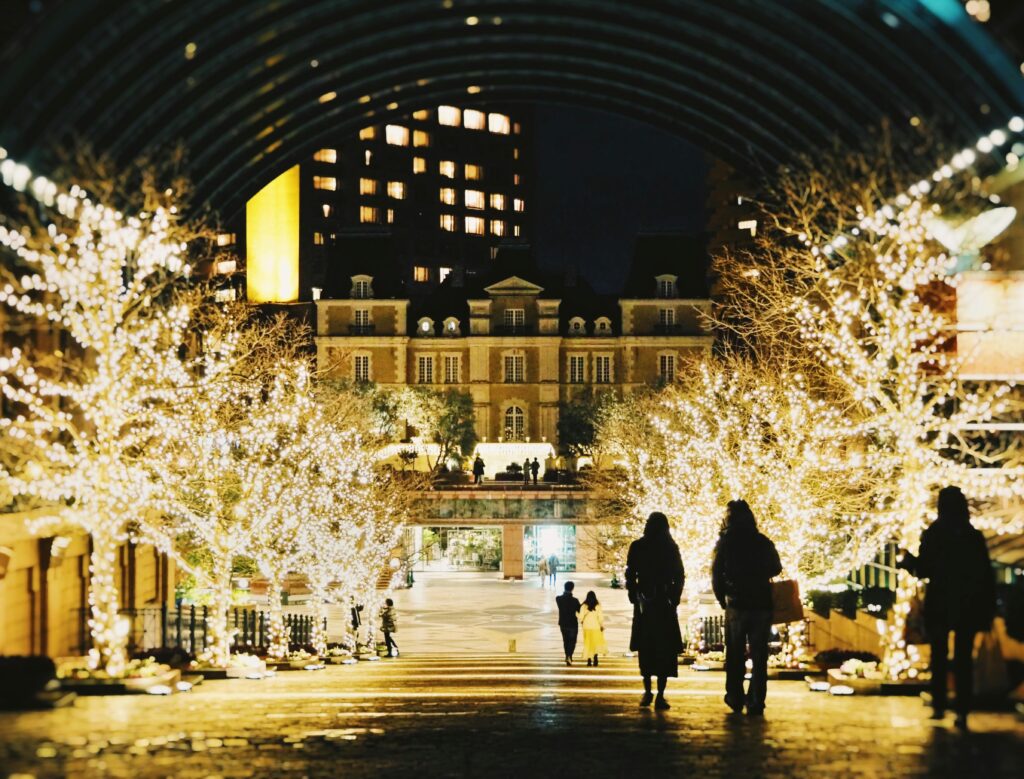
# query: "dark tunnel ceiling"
x,y
752,82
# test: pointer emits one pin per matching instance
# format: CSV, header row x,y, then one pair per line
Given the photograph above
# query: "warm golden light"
x,y
272,240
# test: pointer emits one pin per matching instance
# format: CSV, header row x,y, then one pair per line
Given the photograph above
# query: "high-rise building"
x,y
446,184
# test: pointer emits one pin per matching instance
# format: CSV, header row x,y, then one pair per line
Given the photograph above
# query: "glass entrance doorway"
x,y
547,540
459,549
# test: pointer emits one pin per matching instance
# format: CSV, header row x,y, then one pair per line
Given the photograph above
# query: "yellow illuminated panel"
x,y
272,241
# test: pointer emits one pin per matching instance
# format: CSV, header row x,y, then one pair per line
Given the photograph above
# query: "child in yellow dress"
x,y
592,622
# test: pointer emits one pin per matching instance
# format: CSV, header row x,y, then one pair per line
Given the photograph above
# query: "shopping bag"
x,y
786,605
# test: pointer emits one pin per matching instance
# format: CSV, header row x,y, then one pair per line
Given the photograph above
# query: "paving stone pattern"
x,y
495,716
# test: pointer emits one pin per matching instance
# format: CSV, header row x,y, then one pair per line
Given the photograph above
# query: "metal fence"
x,y
187,628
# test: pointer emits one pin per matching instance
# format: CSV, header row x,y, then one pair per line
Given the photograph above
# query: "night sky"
x,y
599,180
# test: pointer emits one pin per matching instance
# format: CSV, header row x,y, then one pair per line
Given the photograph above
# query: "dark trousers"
x,y
963,666
743,626
569,635
389,642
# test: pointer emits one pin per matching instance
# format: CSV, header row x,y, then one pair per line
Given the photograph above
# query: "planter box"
x,y
233,672
121,686
790,674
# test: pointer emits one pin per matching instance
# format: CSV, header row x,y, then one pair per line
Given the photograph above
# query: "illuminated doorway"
x,y
546,540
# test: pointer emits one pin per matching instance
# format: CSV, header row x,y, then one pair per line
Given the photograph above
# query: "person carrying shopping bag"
x,y
592,622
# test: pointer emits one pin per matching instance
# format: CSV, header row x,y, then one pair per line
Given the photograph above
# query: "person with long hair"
x,y
654,581
960,597
592,622
744,564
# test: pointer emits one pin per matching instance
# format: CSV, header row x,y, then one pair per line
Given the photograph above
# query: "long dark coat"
x,y
961,592
654,581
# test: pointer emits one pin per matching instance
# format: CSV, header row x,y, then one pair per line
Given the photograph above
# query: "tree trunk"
x,y
109,631
319,638
278,634
220,636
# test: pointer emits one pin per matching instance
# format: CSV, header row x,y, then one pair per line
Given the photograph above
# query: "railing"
x,y
361,329
187,628
712,633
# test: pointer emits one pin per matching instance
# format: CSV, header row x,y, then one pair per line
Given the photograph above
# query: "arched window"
x,y
425,326
577,326
515,424
603,325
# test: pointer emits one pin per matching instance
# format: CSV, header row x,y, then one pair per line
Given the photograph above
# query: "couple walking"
x,y
573,615
744,564
547,569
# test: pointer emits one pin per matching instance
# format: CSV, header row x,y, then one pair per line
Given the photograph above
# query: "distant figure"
x,y
526,471
356,621
553,569
744,563
568,608
478,470
654,580
535,469
960,597
542,570
389,624
592,622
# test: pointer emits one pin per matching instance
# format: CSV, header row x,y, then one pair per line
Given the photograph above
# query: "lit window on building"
x,y
449,115
446,168
577,364
422,115
516,231
369,215
452,369
448,223
448,196
225,295
666,317
474,120
514,318
475,225
361,365
391,216
514,368
515,179
515,424
420,138
327,209
443,273
396,190
361,290
498,227
396,135
499,123
497,201
474,198
362,318
368,133
226,239
517,128
425,369
420,273
518,204
667,367
666,288
748,225
419,165
367,186
318,239
426,326
515,153
325,182
474,172
367,157
603,369
326,155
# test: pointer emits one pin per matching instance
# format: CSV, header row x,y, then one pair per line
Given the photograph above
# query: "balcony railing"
x,y
361,329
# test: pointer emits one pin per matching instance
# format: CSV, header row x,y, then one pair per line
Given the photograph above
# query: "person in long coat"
x,y
745,562
960,597
654,581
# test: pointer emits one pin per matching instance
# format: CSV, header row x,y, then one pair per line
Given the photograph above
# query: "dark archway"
x,y
250,88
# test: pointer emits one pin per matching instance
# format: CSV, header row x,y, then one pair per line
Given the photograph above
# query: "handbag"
x,y
786,604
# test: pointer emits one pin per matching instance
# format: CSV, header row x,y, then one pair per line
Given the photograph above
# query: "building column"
x,y
512,551
587,540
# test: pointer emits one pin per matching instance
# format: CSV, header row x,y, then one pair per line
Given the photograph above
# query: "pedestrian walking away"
x,y
535,469
553,569
744,563
542,570
592,623
654,581
478,470
389,625
568,608
960,597
526,471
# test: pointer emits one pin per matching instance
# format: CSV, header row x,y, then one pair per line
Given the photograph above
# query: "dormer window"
x,y
425,326
666,286
577,326
362,287
603,325
451,326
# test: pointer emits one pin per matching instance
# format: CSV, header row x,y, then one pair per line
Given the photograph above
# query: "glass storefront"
x,y
459,549
547,540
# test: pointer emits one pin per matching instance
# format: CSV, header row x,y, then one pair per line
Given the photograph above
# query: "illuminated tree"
x,y
78,417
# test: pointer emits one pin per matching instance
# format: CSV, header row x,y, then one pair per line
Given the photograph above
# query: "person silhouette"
x,y
744,563
535,469
654,581
568,608
960,597
478,470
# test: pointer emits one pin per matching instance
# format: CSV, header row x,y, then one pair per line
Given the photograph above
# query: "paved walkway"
x,y
495,716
